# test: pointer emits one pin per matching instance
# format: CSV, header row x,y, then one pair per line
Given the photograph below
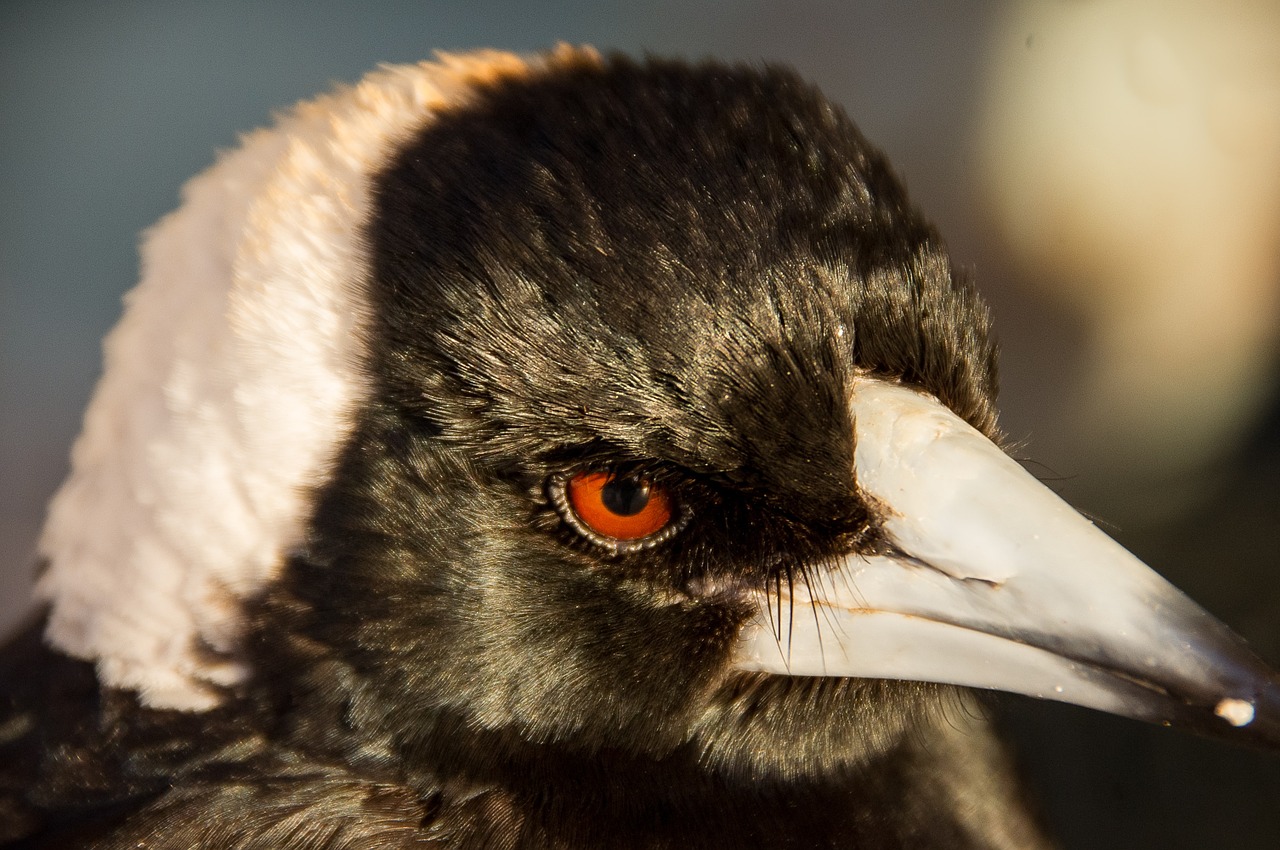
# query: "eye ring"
x,y
564,492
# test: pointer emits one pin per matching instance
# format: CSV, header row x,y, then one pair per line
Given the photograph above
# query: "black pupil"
x,y
625,496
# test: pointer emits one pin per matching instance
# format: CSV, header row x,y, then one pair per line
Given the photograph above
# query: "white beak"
x,y
991,581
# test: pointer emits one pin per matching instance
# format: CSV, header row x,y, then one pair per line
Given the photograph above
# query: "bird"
x,y
564,451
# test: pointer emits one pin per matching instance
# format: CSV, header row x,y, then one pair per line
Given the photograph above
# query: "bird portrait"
x,y
565,451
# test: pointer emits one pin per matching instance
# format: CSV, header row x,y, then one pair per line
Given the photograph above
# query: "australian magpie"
x,y
564,452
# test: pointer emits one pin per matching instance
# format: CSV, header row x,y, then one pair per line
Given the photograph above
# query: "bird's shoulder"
x,y
83,766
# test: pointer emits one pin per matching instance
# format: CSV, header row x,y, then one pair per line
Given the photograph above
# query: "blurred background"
x,y
1108,170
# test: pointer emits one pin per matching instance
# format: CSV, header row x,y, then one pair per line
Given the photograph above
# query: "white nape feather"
x,y
229,387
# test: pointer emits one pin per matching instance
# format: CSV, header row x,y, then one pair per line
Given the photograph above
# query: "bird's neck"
x,y
547,795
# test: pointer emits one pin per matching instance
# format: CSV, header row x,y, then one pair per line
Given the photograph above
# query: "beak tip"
x,y
1253,717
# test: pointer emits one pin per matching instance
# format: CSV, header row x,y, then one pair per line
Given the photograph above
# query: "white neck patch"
x,y
229,387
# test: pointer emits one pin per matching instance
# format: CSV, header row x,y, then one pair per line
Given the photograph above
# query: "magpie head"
x,y
591,406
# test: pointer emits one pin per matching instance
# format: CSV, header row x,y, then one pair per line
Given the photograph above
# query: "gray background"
x,y
105,109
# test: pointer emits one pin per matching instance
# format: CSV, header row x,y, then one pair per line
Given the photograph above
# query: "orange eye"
x,y
620,509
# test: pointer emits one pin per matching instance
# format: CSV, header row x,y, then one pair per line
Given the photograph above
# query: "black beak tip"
x,y
1251,719
1257,721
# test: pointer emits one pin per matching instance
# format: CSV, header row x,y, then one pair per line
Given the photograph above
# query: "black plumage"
x,y
651,269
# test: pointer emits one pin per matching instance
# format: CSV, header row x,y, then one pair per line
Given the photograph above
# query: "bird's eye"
x,y
622,512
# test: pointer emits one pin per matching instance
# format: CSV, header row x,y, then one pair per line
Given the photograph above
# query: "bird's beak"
x,y
991,581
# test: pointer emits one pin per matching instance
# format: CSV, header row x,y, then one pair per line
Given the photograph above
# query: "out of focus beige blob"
x,y
1132,149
